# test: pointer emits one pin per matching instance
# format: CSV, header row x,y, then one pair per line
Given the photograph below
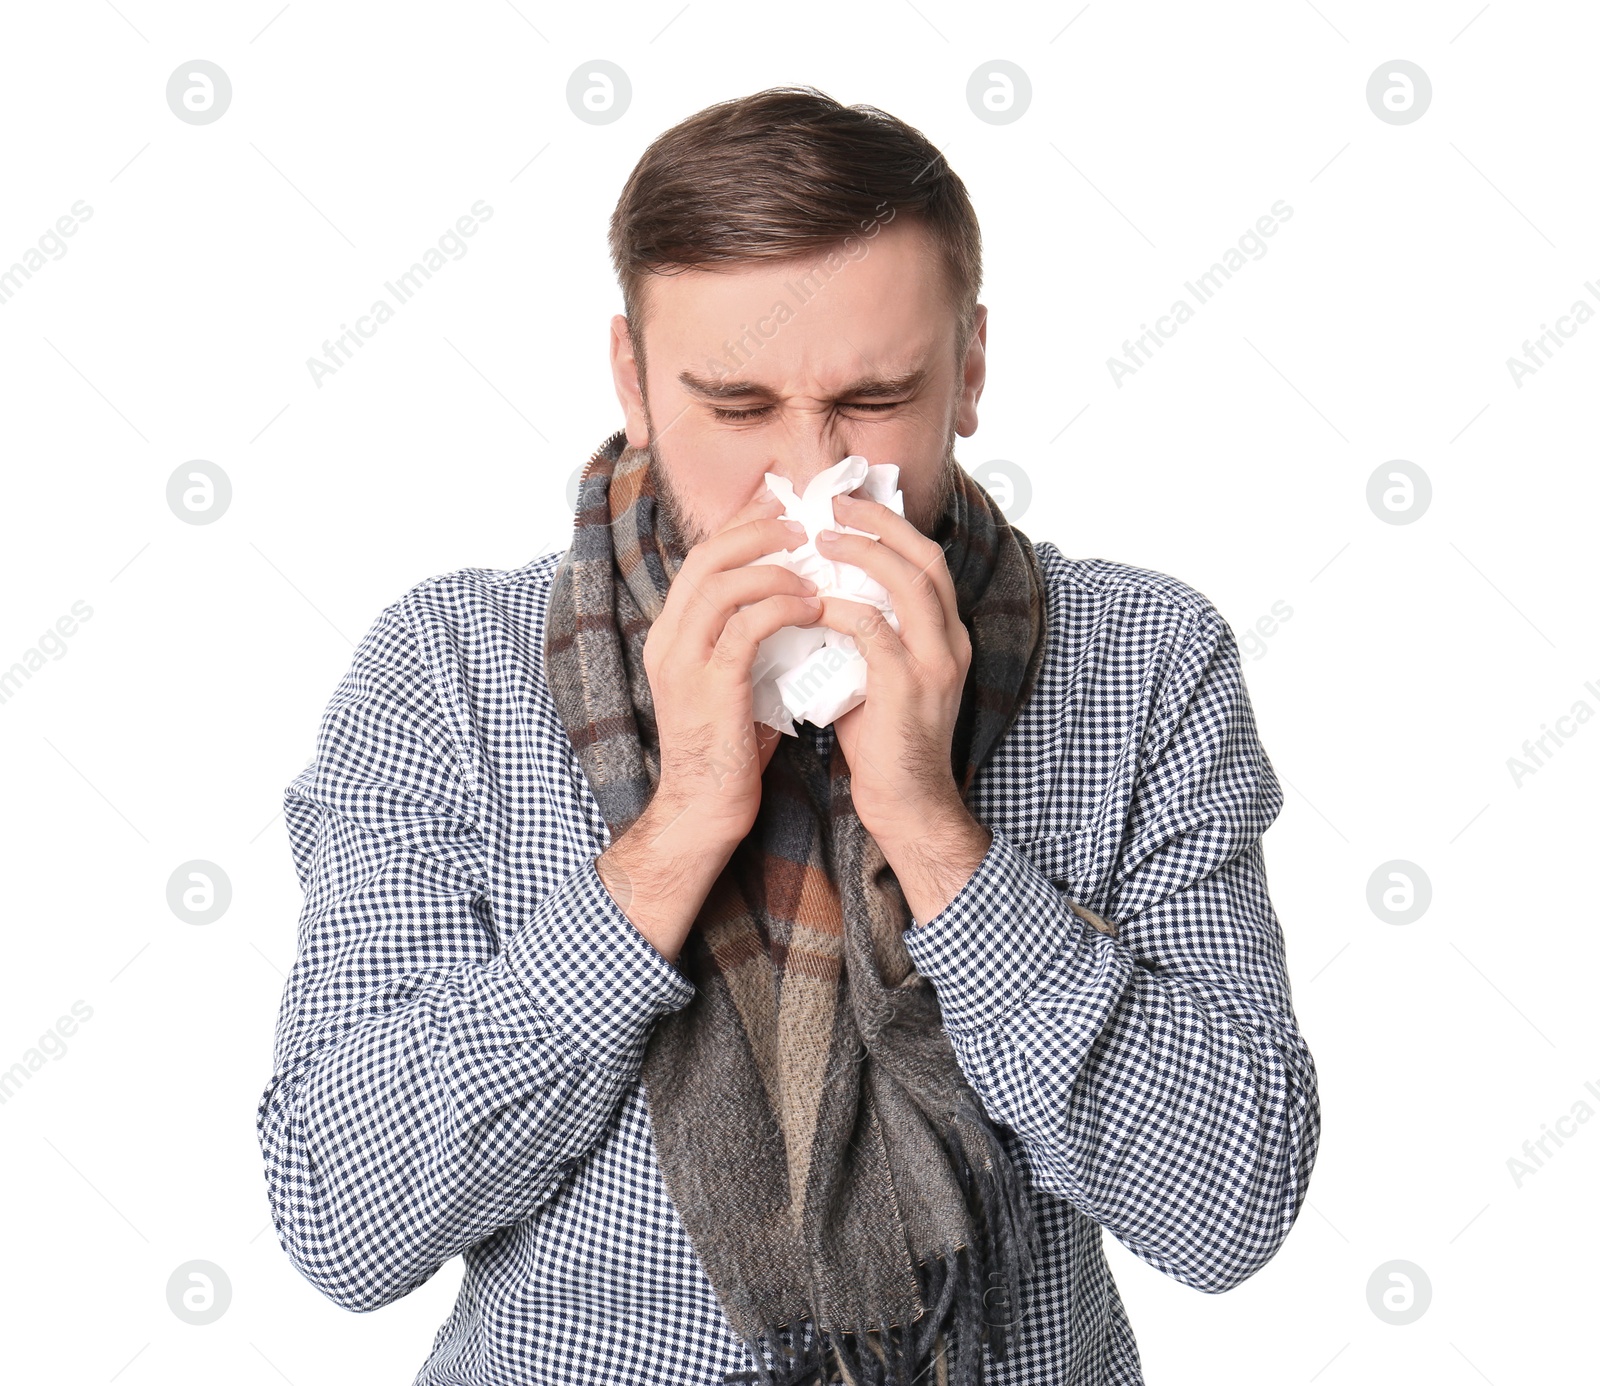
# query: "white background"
x,y
1416,661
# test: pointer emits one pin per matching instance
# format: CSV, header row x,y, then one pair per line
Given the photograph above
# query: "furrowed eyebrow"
x,y
869,387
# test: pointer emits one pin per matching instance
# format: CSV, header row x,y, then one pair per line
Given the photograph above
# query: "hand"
x,y
898,741
699,656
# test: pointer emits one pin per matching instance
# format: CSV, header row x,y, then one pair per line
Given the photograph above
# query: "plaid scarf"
x,y
838,1177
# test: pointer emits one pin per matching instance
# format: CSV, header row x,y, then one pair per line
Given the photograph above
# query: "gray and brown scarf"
x,y
838,1176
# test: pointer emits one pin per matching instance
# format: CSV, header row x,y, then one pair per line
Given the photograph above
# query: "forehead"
x,y
877,300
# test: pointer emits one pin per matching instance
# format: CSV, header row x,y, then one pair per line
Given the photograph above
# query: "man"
x,y
720,1059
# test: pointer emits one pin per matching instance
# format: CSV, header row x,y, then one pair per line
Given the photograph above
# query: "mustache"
x,y
689,531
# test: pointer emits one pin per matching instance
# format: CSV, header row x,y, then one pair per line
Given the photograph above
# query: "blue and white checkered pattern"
x,y
456,1065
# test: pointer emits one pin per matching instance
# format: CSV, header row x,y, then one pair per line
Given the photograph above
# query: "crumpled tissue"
x,y
812,673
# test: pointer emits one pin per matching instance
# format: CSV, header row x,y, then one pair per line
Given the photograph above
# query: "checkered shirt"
x,y
457,1051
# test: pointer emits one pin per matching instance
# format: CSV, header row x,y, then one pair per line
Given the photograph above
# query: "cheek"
x,y
713,471
925,425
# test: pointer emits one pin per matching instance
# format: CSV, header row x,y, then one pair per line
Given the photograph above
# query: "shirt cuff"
x,y
988,947
592,973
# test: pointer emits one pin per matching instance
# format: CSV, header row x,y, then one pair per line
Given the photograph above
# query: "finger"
x,y
739,543
702,610
913,591
888,659
690,592
759,506
735,653
907,540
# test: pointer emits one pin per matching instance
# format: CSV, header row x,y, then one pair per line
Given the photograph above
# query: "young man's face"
x,y
790,366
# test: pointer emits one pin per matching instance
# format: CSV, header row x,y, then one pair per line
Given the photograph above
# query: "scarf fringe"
x,y
961,1290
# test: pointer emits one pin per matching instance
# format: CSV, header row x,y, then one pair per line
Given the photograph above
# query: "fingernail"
x,y
815,603
827,536
794,526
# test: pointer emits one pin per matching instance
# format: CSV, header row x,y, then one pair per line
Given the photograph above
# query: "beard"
x,y
689,530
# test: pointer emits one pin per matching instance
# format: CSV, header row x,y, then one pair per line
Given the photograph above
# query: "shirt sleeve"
x,y
1155,1074
436,1069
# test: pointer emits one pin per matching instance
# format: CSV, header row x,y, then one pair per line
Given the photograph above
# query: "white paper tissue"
x,y
812,673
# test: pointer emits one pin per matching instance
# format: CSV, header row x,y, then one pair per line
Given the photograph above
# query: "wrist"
x,y
934,865
683,837
659,873
932,830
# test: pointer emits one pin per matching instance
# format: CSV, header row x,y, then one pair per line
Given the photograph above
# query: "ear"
x,y
625,376
973,375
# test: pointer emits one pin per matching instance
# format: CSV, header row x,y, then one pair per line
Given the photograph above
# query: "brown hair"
x,y
783,174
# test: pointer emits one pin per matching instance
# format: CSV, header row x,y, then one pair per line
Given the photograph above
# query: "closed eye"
x,y
738,415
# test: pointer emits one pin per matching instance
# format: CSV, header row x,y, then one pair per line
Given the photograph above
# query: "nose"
x,y
811,446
